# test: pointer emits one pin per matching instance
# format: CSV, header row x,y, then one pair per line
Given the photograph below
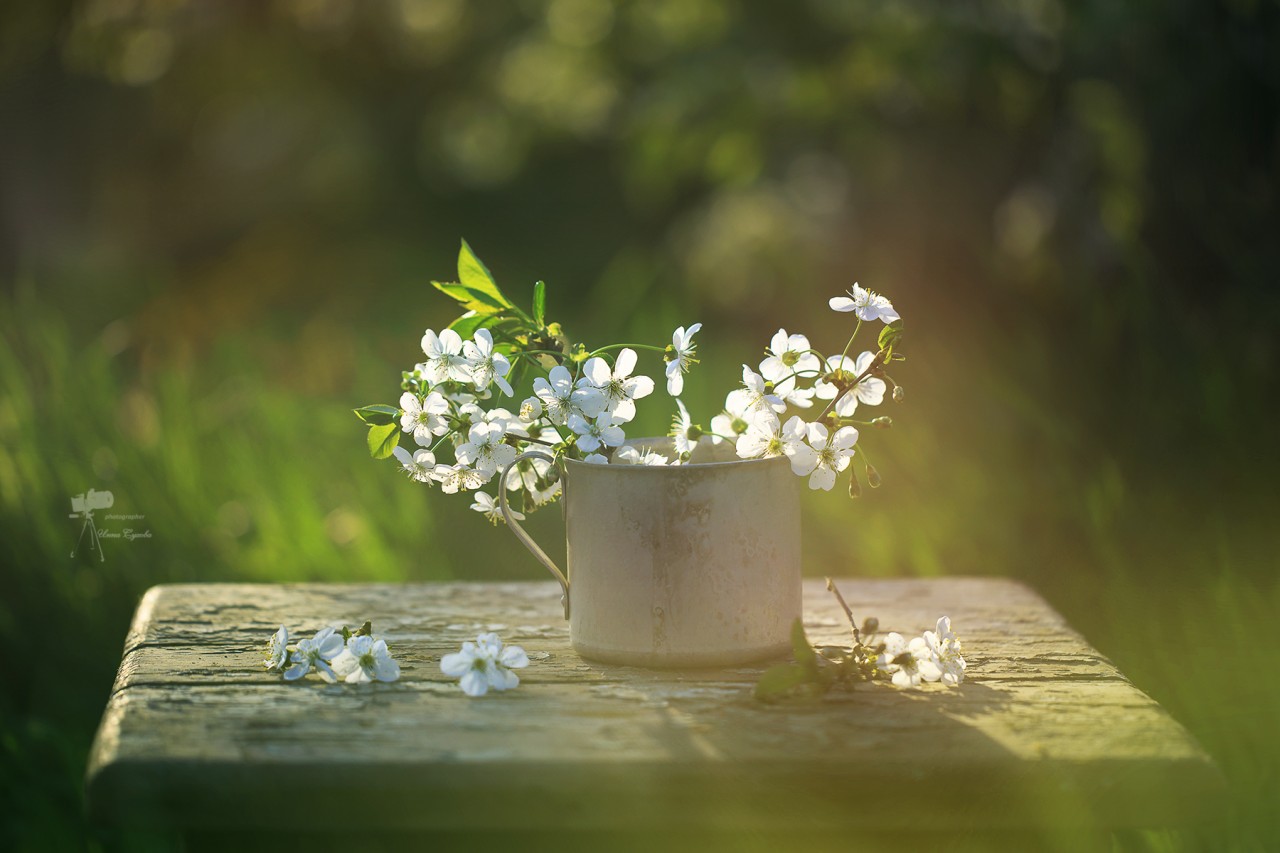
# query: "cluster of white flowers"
x,y
793,374
586,409
582,401
336,656
933,656
485,665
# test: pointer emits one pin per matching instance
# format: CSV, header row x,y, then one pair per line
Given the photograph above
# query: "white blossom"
x,y
485,664
528,473
424,418
684,433
485,449
486,365
680,357
903,660
511,424
619,387
455,478
754,397
604,431
790,358
596,459
945,663
866,304
317,652
277,650
869,389
530,409
366,659
420,466
547,493
445,361
491,508
767,437
735,419
832,452
629,455
561,398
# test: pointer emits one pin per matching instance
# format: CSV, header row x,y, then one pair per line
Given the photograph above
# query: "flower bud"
x,y
873,477
531,409
870,625
855,488
898,394
882,422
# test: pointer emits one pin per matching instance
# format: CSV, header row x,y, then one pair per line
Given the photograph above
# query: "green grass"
x,y
243,474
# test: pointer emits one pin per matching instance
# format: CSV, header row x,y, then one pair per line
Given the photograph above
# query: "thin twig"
x,y
831,587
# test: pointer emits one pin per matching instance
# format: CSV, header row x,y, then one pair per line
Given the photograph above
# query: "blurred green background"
x,y
218,221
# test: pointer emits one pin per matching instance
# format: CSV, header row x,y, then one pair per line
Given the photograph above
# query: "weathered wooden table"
x,y
1045,737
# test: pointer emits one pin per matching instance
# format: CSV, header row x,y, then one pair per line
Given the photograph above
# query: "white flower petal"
x,y
501,678
822,478
474,683
625,363
386,669
514,657
597,372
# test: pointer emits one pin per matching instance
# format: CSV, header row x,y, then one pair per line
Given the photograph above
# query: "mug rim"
x,y
686,465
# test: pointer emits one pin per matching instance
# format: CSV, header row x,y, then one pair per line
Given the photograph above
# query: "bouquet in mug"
x,y
576,402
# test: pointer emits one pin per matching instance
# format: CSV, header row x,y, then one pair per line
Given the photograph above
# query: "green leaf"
x,y
383,439
366,630
804,654
540,303
378,415
779,681
518,369
891,335
474,274
475,288
467,324
479,301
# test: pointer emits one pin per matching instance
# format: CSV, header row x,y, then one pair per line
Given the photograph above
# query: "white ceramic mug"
x,y
683,565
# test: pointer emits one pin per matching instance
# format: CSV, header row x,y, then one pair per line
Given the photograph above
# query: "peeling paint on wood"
x,y
1044,731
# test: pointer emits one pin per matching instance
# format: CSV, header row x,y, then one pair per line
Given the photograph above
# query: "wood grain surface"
x,y
1045,730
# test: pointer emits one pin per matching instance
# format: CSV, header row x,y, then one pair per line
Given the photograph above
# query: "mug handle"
x,y
525,538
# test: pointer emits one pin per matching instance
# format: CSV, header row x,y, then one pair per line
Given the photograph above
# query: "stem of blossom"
x,y
448,435
795,374
873,476
850,343
881,422
831,587
624,346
